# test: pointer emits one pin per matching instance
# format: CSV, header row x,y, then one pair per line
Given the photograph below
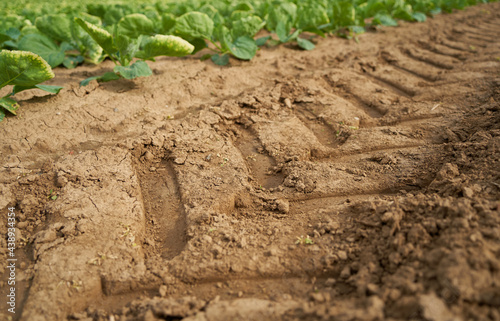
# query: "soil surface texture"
x,y
357,181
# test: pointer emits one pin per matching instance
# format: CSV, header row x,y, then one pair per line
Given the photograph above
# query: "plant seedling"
x,y
52,195
131,39
304,240
24,70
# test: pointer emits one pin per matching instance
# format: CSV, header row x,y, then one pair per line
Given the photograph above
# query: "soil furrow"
x,y
260,164
430,58
165,218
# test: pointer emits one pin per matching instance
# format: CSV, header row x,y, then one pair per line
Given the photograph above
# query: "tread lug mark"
x,y
480,40
335,201
467,40
165,218
430,58
414,67
288,138
332,109
483,29
350,102
443,50
320,126
379,138
408,120
466,31
461,76
370,93
401,83
388,168
460,46
260,164
489,24
491,29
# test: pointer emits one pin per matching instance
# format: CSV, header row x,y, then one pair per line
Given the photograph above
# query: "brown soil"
x,y
196,193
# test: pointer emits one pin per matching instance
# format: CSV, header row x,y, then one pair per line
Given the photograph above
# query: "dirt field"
x,y
358,181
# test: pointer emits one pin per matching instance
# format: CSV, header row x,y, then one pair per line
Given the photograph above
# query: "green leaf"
x,y
2,113
44,47
344,14
419,16
127,48
384,19
113,15
104,78
23,68
205,57
305,44
167,22
47,88
239,14
248,26
134,25
101,36
72,62
11,21
262,40
90,49
56,26
311,15
223,35
138,69
13,33
213,13
194,25
9,104
404,13
161,45
357,30
293,35
199,44
285,12
29,30
243,48
3,38
50,88
221,60
89,18
316,31
282,31
243,6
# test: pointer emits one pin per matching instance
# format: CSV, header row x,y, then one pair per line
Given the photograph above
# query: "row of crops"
x,y
130,34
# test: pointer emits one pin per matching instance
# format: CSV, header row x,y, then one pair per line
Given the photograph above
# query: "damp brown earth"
x,y
358,181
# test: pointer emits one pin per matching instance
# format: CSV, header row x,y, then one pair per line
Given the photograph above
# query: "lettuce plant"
x,y
131,38
24,70
199,28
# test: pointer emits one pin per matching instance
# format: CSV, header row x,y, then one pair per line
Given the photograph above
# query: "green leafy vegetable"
x,y
24,70
243,48
138,69
130,34
44,47
56,26
194,25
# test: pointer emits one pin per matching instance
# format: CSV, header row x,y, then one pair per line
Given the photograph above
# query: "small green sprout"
x,y
304,240
51,195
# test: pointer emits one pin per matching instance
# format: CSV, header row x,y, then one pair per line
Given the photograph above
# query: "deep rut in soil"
x,y
165,218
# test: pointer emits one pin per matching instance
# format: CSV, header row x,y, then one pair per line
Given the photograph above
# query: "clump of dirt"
x,y
353,182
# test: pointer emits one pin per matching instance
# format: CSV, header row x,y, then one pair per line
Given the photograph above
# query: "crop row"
x,y
130,34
